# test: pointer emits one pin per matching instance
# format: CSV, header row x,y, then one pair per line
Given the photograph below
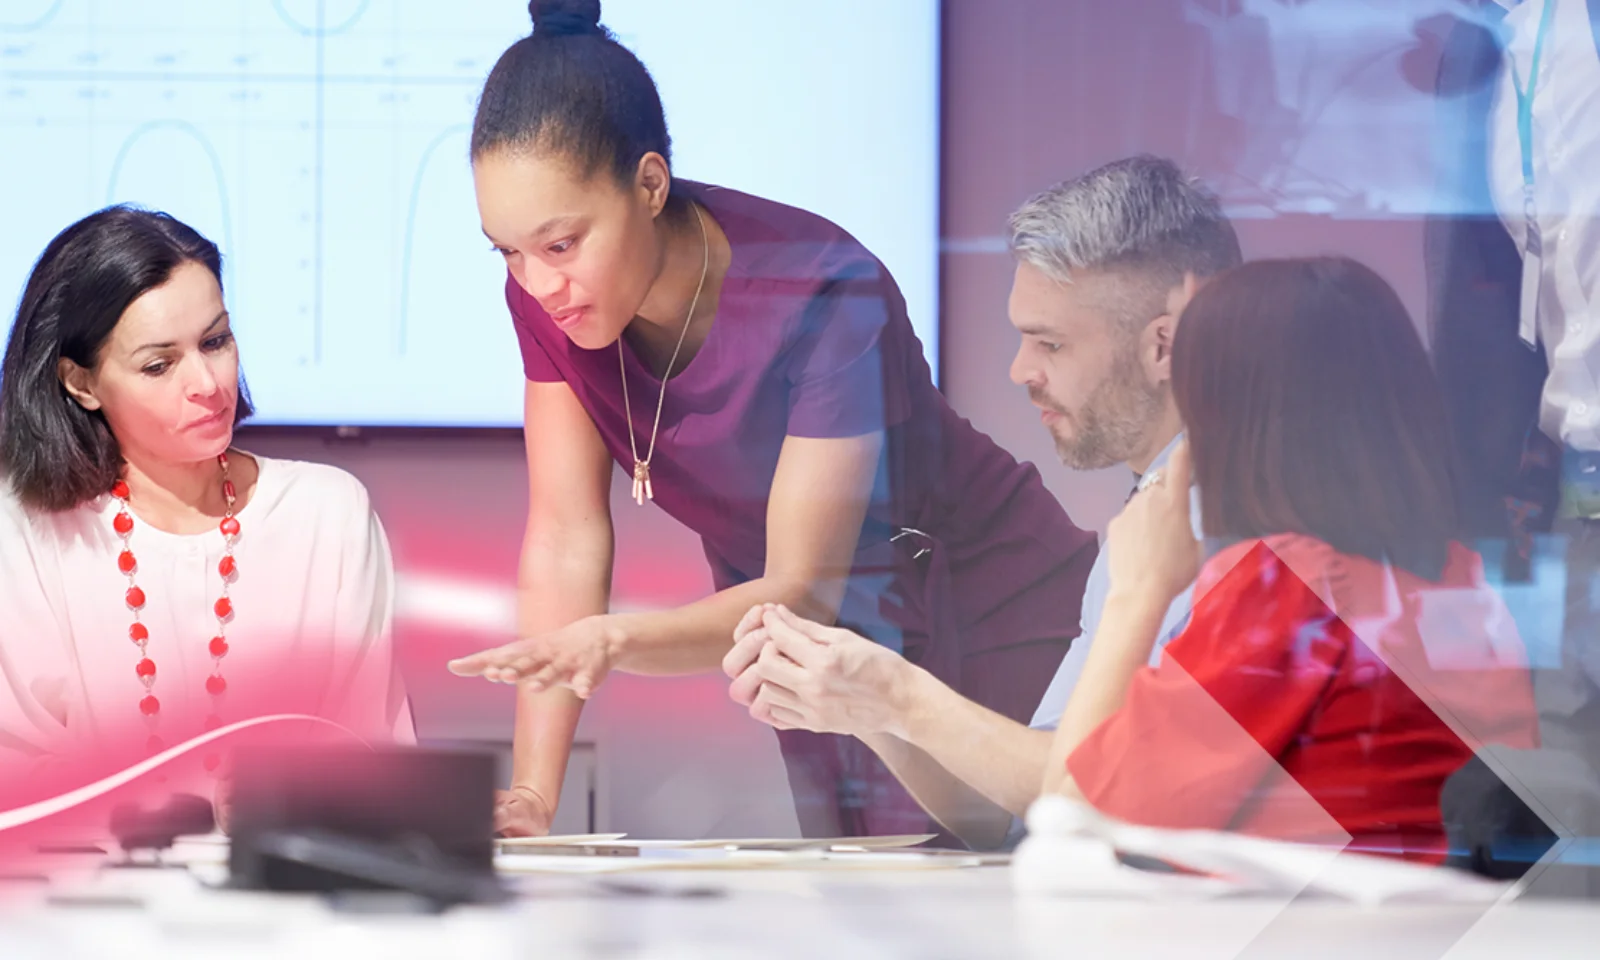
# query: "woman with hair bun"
x,y
752,367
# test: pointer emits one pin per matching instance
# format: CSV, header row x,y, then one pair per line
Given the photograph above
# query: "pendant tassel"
x,y
642,488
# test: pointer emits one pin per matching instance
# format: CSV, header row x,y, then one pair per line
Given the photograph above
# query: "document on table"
x,y
840,844
701,858
1073,850
815,853
568,840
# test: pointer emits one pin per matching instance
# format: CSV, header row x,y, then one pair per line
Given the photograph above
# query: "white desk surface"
x,y
835,915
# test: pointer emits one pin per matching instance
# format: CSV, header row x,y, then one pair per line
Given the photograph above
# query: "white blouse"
x,y
313,601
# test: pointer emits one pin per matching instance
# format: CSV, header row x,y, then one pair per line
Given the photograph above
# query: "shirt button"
x,y
1580,409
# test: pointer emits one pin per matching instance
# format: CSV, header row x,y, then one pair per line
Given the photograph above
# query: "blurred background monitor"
x,y
322,144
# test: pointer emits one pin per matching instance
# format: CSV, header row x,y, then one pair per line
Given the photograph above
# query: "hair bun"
x,y
565,18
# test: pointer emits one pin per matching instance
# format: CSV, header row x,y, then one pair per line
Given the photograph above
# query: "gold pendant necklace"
x,y
642,488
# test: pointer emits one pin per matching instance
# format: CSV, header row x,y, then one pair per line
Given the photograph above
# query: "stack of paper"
x,y
613,854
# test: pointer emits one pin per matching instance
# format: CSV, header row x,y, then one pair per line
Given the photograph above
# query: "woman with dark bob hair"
x,y
1344,655
155,582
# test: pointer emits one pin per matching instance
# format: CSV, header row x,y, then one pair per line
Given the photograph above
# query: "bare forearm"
x,y
1121,645
993,754
558,587
542,739
963,811
694,638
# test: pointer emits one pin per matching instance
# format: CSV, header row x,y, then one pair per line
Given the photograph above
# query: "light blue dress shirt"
x,y
1095,591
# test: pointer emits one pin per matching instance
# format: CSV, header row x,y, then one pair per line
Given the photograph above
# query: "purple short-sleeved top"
x,y
964,554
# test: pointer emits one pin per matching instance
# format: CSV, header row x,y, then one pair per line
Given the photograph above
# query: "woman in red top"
x,y
1344,655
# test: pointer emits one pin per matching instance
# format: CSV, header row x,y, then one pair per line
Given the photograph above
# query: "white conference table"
x,y
787,913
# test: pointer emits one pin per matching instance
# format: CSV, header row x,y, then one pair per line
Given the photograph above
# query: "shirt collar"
x,y
1160,461
1166,452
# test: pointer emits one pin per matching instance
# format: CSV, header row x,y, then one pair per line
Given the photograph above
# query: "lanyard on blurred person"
x,y
1532,244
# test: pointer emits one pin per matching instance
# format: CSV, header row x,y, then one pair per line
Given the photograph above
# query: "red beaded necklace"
x,y
216,686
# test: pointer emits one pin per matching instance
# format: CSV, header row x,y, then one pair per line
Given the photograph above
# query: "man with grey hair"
x,y
1106,263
